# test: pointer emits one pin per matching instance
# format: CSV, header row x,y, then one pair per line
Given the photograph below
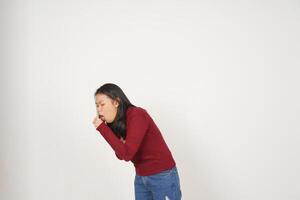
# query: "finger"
x,y
95,120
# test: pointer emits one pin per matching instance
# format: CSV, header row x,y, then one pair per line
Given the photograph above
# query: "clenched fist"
x,y
97,121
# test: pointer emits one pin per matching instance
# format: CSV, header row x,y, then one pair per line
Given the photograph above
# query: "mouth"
x,y
101,117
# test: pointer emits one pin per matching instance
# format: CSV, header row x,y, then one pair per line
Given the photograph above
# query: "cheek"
x,y
108,111
112,113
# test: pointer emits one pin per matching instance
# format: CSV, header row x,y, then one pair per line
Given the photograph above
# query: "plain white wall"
x,y
220,79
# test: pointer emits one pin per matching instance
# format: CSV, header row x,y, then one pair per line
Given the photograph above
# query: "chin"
x,y
109,122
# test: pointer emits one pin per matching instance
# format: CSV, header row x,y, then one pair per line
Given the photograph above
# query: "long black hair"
x,y
118,126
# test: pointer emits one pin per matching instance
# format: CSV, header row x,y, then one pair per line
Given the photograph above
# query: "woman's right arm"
x,y
136,129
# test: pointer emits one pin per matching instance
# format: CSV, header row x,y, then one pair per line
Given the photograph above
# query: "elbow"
x,y
127,158
127,155
118,157
124,157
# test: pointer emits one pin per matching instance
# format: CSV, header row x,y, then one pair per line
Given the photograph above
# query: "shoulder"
x,y
136,111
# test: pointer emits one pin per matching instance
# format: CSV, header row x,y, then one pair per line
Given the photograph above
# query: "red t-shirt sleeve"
x,y
137,125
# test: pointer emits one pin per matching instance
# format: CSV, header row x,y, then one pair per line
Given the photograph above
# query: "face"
x,y
106,107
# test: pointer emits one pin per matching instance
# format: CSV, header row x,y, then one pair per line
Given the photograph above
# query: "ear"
x,y
117,102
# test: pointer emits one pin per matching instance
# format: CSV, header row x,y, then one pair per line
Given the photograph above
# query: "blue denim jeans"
x,y
161,186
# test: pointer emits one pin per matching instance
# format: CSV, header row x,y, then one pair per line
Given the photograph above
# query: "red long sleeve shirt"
x,y
144,146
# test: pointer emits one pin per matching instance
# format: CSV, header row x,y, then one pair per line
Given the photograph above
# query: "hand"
x,y
97,121
122,140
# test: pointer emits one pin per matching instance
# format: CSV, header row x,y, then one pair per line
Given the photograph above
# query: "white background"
x,y
220,79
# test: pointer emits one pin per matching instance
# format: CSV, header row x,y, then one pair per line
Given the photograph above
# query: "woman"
x,y
134,136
